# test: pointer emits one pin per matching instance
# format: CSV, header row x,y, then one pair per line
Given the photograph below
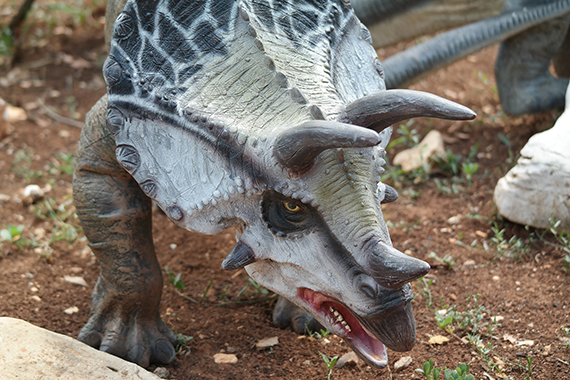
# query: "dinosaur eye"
x,y
291,207
285,216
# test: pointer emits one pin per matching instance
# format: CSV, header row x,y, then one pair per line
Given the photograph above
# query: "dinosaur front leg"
x,y
286,313
524,81
116,217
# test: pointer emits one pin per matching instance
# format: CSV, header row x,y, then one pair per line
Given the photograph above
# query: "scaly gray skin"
x,y
533,32
269,116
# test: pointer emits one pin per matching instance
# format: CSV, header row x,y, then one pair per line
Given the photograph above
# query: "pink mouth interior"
x,y
340,321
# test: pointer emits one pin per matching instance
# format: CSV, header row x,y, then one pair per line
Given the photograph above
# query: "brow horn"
x,y
382,109
298,147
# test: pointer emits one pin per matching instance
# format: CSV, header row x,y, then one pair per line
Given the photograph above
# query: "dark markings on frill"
x,y
208,40
147,12
305,22
154,62
174,42
265,14
221,10
185,12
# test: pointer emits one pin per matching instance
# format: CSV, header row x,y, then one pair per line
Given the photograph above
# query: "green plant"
x,y
64,163
424,290
257,289
460,373
514,247
181,340
429,371
174,279
447,260
329,363
469,168
566,332
63,217
6,46
22,165
317,335
529,372
566,263
13,235
408,136
471,320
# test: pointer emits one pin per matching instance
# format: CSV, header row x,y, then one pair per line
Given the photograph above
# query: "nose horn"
x,y
392,268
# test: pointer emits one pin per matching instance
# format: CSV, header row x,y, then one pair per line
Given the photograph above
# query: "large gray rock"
x,y
538,187
30,352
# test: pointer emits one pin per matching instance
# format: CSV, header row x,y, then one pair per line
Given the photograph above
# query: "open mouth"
x,y
368,337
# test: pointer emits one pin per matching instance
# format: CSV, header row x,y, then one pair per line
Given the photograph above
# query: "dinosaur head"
x,y
273,117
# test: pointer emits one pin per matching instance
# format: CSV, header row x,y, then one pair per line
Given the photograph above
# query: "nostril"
x,y
369,289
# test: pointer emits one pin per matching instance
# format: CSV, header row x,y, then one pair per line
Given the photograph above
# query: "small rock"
x,y
469,263
453,297
71,310
33,192
267,342
220,358
526,343
497,318
36,298
438,339
350,358
430,147
546,350
496,278
173,246
162,372
308,363
76,280
510,338
13,114
403,363
4,198
454,220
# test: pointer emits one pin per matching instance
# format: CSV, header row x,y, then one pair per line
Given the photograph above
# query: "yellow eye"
x,y
291,207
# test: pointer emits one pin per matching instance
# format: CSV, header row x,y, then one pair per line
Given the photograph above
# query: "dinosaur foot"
x,y
141,341
286,313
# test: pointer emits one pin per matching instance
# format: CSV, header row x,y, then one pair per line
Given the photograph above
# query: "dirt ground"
x,y
514,275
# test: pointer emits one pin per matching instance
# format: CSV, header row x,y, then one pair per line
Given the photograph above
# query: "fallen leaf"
x,y
350,358
438,339
267,342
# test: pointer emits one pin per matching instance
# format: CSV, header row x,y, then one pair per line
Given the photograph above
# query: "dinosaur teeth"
x,y
338,318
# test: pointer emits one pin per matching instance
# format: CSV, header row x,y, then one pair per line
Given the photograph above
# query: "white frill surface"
x,y
538,187
28,352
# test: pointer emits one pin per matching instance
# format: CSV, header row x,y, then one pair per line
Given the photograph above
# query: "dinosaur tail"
x,y
414,63
374,11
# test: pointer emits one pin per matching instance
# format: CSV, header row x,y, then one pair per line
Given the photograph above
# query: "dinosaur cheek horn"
x,y
298,147
392,268
382,109
240,256
391,195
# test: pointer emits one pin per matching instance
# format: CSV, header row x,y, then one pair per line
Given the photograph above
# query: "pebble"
x,y
162,372
469,263
220,358
34,192
71,310
350,358
4,198
403,363
454,220
36,298
76,280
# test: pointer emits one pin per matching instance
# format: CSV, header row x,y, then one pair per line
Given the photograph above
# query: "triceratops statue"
x,y
269,116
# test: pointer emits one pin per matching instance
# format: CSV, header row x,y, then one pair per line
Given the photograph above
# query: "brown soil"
x,y
528,287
